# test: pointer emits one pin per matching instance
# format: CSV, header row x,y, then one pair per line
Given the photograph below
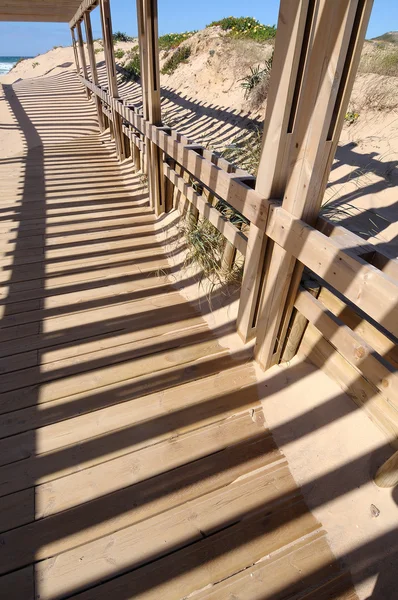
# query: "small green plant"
x,y
245,152
119,53
132,69
205,246
55,47
98,50
246,27
256,84
255,76
119,36
212,53
170,41
351,117
35,64
181,55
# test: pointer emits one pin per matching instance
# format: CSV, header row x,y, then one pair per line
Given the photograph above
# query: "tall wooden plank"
x,y
147,17
334,44
276,139
93,66
74,45
82,54
106,22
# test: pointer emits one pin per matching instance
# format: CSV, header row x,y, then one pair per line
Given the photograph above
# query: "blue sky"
x,y
29,39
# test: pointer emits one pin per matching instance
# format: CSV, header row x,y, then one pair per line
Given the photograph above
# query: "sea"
x,y
7,63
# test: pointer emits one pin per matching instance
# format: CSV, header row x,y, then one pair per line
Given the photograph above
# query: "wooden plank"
x,y
87,522
385,346
93,67
17,510
289,572
55,494
204,400
368,288
57,381
350,345
133,547
75,52
211,559
323,355
106,21
19,585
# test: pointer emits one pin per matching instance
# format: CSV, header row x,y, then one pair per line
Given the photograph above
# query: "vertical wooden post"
x,y
147,17
82,54
93,67
72,32
292,23
106,22
328,59
333,54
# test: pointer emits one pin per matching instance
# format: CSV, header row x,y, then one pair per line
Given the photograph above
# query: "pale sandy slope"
x,y
205,100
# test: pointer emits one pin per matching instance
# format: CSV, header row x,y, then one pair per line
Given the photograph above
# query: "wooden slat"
x,y
368,288
129,505
350,345
212,397
123,550
56,492
212,559
383,345
323,355
277,577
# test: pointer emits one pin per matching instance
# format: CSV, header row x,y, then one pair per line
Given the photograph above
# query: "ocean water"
x,y
7,62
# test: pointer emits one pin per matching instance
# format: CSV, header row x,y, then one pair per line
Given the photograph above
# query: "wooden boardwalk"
x,y
135,461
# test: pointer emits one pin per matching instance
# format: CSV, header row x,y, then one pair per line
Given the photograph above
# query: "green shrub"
x,y
173,40
133,68
181,55
119,36
98,50
382,62
35,64
252,80
119,53
256,84
246,27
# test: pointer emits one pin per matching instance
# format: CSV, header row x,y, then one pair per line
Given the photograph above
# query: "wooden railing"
x,y
341,262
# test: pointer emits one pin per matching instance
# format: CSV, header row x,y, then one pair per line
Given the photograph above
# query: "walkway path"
x,y
135,461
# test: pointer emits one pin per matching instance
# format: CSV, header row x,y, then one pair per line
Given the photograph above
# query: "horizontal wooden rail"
x,y
229,231
84,7
367,287
350,345
374,255
134,138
